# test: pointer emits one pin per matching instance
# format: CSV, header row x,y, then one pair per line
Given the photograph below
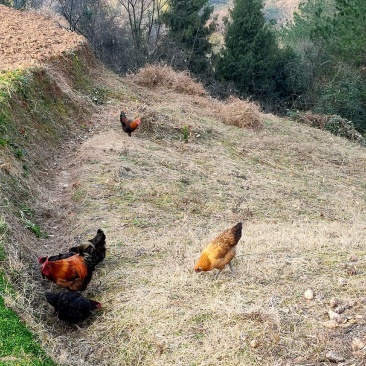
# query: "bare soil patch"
x,y
29,38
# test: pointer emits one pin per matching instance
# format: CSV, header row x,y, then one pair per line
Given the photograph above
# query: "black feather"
x,y
71,306
93,253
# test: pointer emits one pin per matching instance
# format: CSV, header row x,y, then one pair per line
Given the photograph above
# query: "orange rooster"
x,y
220,251
128,125
73,270
72,273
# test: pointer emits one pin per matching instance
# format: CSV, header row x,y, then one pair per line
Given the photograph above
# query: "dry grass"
x,y
241,113
298,190
152,76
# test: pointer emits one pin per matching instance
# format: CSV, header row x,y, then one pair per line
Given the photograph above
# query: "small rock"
x,y
333,315
334,357
340,309
357,344
331,324
254,343
309,294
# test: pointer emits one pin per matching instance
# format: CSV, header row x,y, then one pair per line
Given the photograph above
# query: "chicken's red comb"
x,y
41,260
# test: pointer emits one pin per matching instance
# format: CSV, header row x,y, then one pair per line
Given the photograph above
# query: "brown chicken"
x,y
74,270
128,125
72,306
220,251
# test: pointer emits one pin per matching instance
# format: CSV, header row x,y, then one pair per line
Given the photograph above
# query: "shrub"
x,y
161,75
241,113
333,123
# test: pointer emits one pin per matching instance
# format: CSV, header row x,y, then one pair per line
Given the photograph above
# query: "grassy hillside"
x,y
160,199
187,174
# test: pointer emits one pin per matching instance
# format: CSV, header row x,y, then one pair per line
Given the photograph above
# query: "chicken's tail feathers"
x,y
99,240
235,233
123,118
96,252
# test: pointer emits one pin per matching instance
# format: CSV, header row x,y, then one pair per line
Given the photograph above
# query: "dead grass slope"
x,y
160,199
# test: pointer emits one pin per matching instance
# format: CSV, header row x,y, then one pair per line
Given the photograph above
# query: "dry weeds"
x,y
241,113
162,75
298,190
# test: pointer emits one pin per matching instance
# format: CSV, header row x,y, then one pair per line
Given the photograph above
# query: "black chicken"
x,y
72,306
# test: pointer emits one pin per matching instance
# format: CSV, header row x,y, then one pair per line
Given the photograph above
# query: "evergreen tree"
x,y
346,31
186,21
329,36
251,57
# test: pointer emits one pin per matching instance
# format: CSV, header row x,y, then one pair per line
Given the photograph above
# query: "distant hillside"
x,y
280,11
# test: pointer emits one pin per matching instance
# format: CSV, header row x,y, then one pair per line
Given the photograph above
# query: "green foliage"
x,y
187,26
19,153
185,133
251,57
3,228
11,82
345,32
5,2
344,95
34,228
16,342
328,37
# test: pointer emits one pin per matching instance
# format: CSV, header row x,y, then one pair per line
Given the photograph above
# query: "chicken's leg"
x,y
220,270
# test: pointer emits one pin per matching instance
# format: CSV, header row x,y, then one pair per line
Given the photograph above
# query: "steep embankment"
x,y
160,196
42,107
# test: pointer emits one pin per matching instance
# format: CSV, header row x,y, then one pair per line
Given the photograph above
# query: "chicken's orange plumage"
x,y
73,270
220,251
128,125
72,273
